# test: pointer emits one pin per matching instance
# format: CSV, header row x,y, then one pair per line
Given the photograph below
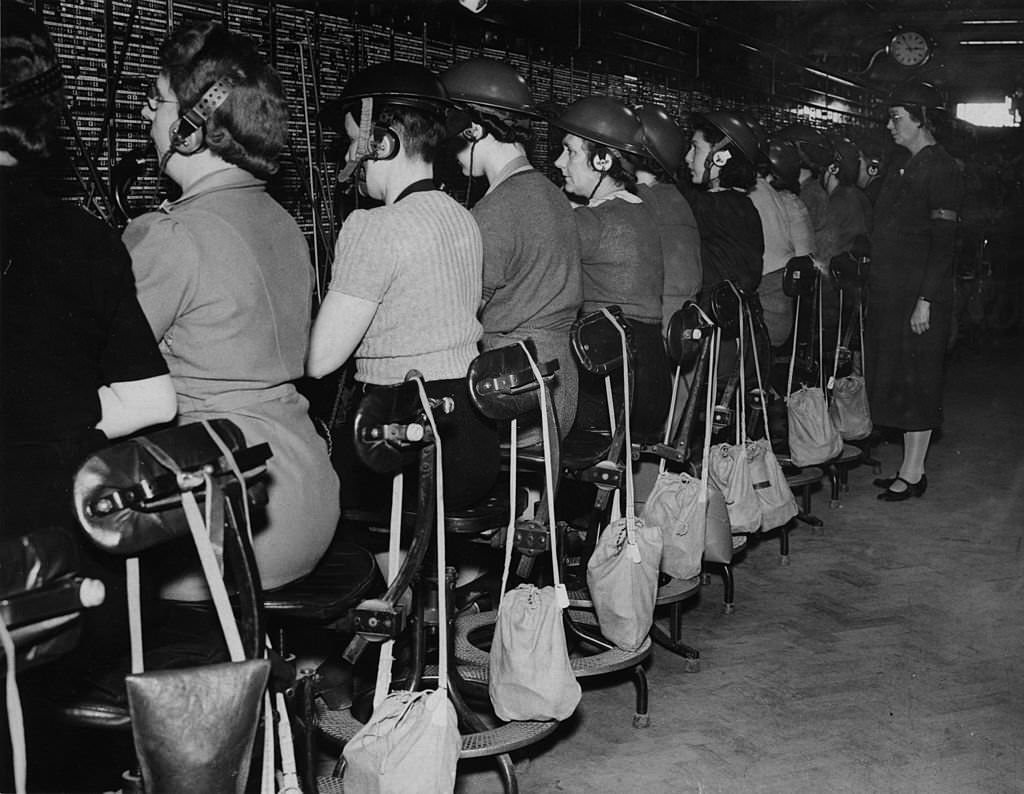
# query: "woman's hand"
x,y
921,316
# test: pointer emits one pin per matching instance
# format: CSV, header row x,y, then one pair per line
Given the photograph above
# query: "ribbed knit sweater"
x,y
420,260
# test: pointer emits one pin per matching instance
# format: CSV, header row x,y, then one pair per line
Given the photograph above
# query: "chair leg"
x,y
805,514
642,719
672,640
728,600
784,543
507,771
835,477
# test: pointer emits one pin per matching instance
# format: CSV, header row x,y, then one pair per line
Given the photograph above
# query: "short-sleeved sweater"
x,y
420,260
531,275
620,250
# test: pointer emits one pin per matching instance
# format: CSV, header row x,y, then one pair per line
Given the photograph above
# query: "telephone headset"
x,y
384,143
188,133
601,160
496,128
721,157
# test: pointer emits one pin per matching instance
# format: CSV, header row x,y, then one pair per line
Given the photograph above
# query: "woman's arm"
x,y
340,325
132,405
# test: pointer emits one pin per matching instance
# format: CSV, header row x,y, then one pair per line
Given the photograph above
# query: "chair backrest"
x,y
391,432
688,329
502,384
597,343
689,334
128,498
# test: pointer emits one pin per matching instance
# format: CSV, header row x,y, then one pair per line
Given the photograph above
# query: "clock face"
x,y
910,48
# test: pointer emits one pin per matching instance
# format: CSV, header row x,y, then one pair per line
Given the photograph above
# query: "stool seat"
x,y
675,590
803,477
340,725
583,666
850,454
337,583
490,513
584,448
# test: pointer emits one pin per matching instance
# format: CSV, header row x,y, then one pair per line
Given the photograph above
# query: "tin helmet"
x,y
662,137
604,121
487,83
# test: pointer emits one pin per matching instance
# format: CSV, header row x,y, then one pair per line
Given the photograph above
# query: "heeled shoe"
x,y
913,489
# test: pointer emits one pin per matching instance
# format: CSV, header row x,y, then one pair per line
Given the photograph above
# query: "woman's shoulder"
x,y
154,228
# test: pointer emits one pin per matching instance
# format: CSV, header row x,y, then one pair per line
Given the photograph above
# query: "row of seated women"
x,y
207,314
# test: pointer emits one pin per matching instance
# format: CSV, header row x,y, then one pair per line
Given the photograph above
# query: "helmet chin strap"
x,y
600,179
469,181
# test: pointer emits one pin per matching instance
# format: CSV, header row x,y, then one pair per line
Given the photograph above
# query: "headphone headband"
x,y
189,131
37,86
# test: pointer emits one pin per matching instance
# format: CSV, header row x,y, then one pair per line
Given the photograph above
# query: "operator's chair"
x,y
392,431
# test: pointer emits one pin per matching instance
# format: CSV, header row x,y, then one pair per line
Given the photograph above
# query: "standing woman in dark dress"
x,y
911,286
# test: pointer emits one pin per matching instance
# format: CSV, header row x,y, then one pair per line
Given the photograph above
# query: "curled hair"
x,y
250,128
420,131
739,171
621,171
502,125
932,119
636,162
28,128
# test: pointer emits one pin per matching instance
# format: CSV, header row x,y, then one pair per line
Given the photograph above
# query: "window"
x,y
987,114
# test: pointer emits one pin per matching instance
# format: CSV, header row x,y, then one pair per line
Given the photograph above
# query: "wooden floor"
x,y
887,657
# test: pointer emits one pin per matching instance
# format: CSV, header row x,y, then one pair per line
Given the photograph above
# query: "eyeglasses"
x,y
153,98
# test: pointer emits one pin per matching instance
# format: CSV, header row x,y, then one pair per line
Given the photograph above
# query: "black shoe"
x,y
913,489
885,482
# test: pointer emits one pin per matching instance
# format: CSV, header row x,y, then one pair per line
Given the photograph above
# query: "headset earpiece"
x,y
474,133
384,144
721,157
188,133
873,168
601,161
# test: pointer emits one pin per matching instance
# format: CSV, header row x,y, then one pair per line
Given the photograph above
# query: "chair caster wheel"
x,y
641,720
834,504
691,665
728,609
784,559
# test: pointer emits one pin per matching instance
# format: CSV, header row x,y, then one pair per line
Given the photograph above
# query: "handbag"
x,y
622,573
411,743
813,438
728,463
530,675
678,503
849,408
778,505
